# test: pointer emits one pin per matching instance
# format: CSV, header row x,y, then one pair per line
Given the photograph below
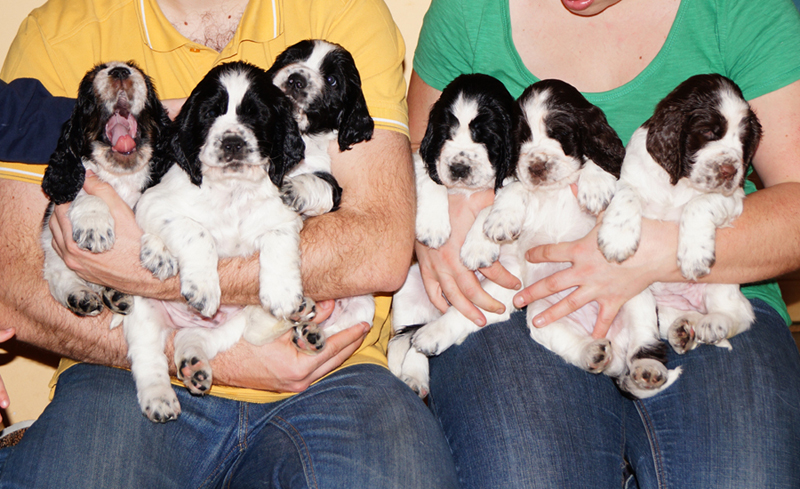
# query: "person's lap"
x,y
516,415
360,427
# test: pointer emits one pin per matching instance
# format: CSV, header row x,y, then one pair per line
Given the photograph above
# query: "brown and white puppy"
x,y
120,131
687,164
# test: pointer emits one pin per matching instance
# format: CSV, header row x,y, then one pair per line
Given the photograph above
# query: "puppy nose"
x,y
538,170
297,82
726,171
232,148
459,171
120,73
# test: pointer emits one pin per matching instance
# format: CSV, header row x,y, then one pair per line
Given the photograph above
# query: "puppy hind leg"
x,y
66,286
729,313
146,337
408,364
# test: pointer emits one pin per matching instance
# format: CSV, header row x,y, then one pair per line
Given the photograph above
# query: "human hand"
x,y
447,281
609,284
120,267
281,367
5,334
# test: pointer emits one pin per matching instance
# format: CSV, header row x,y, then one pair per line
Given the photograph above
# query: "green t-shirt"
x,y
756,43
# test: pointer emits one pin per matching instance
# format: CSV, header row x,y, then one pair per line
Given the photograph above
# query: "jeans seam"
x,y
302,449
654,448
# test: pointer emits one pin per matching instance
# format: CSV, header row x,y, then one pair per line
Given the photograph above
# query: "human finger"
x,y
498,274
605,317
6,334
462,295
323,310
5,401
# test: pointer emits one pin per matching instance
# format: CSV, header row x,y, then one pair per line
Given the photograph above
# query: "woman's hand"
x,y
447,281
280,367
609,284
119,267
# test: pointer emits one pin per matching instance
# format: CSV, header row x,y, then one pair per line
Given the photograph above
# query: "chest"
x,y
596,53
212,27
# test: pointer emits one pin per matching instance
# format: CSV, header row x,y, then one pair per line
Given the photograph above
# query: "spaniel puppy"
x,y
120,131
235,141
468,147
687,164
565,140
323,83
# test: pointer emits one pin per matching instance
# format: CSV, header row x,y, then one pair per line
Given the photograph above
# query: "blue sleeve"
x,y
30,120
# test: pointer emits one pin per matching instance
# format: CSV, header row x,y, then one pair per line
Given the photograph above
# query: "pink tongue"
x,y
119,130
125,144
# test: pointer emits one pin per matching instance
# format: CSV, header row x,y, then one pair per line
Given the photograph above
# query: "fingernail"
x,y
517,286
500,310
480,322
519,302
538,321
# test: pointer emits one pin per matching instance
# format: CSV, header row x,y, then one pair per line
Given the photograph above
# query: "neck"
x,y
211,23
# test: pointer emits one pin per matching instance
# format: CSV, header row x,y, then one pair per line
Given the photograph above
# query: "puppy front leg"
x,y
508,213
92,223
280,283
698,228
621,229
311,194
193,248
433,218
478,250
596,187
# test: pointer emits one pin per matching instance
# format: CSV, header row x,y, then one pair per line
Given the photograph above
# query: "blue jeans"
x,y
358,428
517,416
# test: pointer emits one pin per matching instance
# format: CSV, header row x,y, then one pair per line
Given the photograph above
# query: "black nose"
x,y
120,73
297,82
459,171
232,148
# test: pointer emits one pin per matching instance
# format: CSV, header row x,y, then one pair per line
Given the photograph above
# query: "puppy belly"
x,y
180,315
681,296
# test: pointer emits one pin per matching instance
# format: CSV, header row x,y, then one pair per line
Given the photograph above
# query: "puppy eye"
x,y
331,81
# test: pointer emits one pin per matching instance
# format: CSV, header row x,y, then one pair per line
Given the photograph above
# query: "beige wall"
x,y
26,372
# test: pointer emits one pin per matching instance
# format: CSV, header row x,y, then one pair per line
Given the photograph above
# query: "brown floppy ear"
x,y
664,140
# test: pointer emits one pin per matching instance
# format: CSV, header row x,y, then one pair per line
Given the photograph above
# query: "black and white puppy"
x,y
235,141
687,164
468,147
323,82
120,131
566,140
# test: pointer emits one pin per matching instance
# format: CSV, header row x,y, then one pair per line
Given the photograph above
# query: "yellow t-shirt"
x,y
60,41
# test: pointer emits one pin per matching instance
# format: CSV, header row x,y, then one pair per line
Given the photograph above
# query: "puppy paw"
x,y
308,338
159,403
195,372
479,253
648,374
84,302
503,226
201,293
438,336
117,302
681,335
293,196
94,231
155,257
713,328
598,355
595,190
432,231
304,313
618,241
695,261
283,305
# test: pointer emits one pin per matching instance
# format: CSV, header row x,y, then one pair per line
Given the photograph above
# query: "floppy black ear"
x,y
160,128
288,148
65,172
354,122
665,141
433,141
184,142
750,139
601,144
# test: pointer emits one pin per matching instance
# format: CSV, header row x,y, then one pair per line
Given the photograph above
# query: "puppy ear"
x,y
433,140
601,144
664,139
288,148
354,122
65,172
161,133
750,139
182,146
508,152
